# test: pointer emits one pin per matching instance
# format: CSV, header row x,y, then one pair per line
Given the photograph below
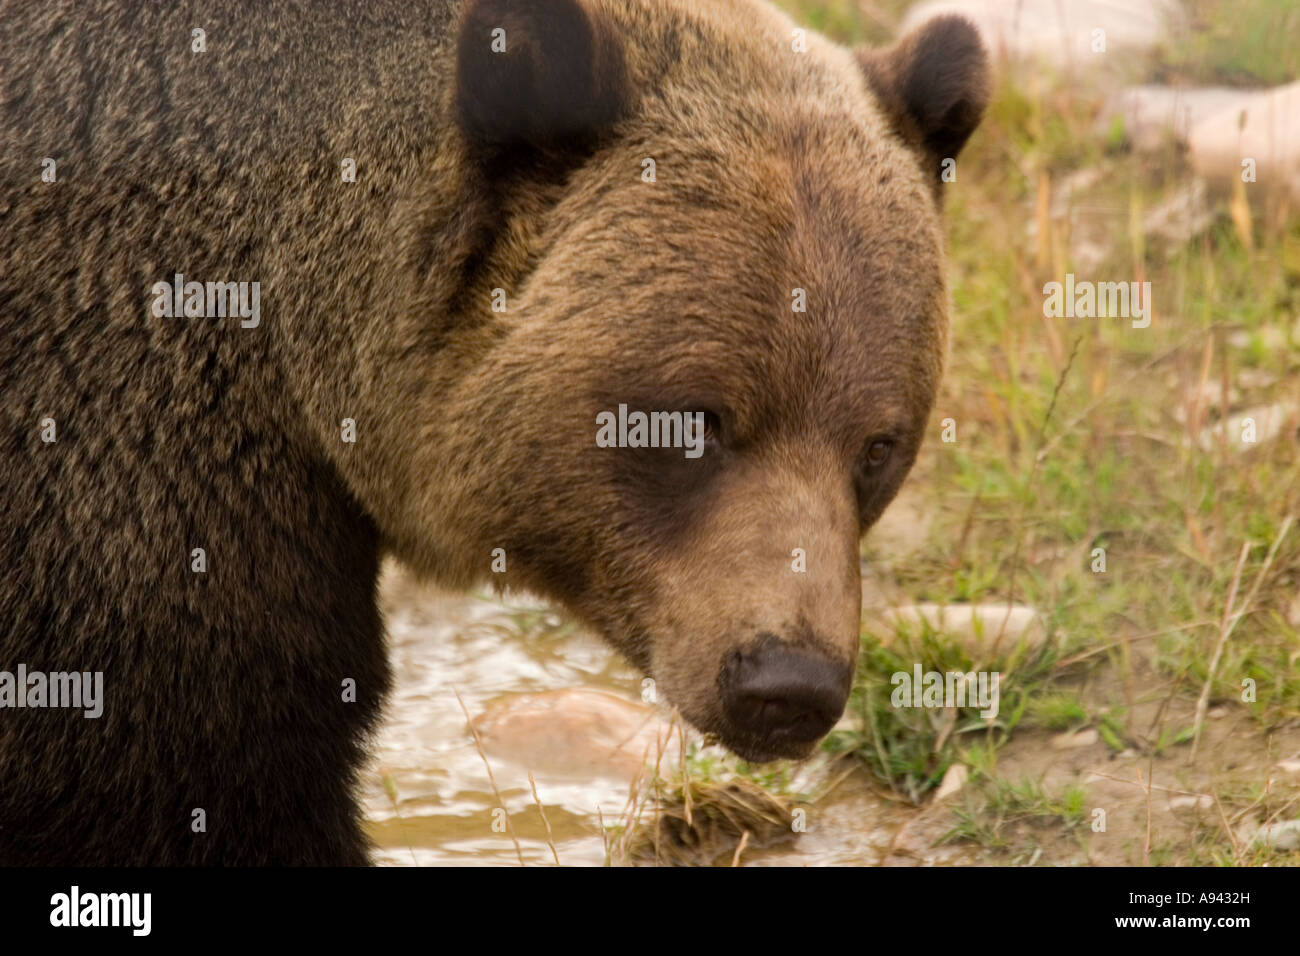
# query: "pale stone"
x,y
953,781
1263,126
1280,836
1072,741
1153,115
976,626
1056,30
1270,422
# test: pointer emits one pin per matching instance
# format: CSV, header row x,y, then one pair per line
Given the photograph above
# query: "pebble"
x,y
1202,802
1053,30
975,626
1152,115
953,780
1270,421
1284,835
1072,741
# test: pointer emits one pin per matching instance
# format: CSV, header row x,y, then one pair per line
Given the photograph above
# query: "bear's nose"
x,y
784,693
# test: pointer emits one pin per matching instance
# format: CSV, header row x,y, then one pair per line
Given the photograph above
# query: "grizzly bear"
x,y
285,289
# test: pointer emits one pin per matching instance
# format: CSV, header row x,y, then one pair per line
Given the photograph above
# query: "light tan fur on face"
x,y
792,498
776,170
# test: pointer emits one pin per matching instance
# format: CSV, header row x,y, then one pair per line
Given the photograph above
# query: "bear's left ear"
x,y
537,74
933,85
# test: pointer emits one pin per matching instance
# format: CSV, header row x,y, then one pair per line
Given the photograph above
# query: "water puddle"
x,y
548,697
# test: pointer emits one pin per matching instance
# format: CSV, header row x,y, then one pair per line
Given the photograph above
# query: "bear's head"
x,y
689,206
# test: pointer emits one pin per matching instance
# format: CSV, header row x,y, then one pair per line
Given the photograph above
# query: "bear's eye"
x,y
708,422
878,452
712,426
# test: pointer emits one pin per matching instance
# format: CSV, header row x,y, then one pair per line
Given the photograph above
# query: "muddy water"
x,y
539,691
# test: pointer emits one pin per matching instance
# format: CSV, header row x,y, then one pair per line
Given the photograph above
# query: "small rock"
x,y
1202,802
953,781
1205,398
1072,188
1258,378
1053,30
1268,422
1279,836
1071,741
1152,114
1272,337
1291,767
1217,713
977,627
1181,216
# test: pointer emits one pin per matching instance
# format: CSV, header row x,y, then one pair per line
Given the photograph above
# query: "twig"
x,y
1146,848
744,842
1227,828
1084,655
1029,483
1230,623
1224,630
550,837
478,744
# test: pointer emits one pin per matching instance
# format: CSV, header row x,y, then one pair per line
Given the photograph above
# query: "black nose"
x,y
784,694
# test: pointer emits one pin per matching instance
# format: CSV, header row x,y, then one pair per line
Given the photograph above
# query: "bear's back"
x,y
131,442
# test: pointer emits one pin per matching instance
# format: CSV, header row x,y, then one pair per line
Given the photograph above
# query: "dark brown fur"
x,y
475,429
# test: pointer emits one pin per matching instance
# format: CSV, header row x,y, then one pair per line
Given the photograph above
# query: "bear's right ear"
x,y
933,85
537,74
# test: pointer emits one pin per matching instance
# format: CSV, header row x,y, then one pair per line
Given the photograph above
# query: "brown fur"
x,y
475,429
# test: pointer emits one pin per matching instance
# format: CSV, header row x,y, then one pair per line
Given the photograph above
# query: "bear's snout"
x,y
780,698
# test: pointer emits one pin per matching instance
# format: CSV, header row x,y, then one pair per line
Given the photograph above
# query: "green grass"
x,y
849,21
1243,43
911,748
994,806
1024,497
1058,711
